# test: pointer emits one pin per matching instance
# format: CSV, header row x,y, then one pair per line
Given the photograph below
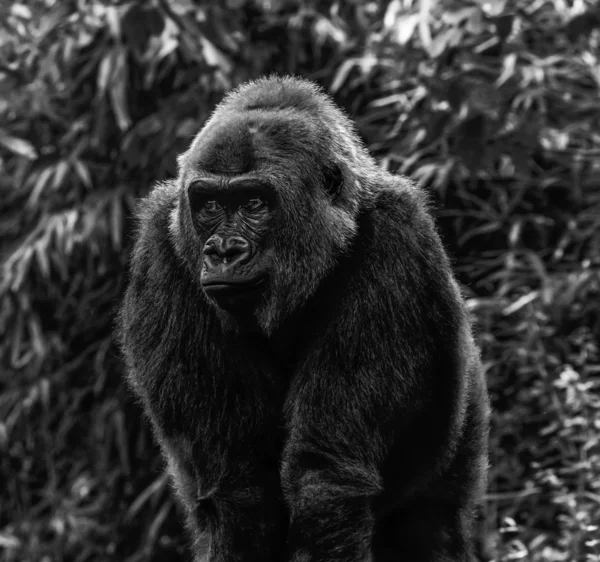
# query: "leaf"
x,y
341,75
166,44
64,228
44,386
3,448
40,184
187,128
7,542
424,29
105,71
405,28
42,260
456,17
113,19
394,99
391,14
423,174
19,146
494,7
214,57
151,492
325,30
83,172
149,126
118,90
488,228
22,268
155,526
446,39
509,65
59,174
520,303
554,139
443,176
182,7
21,11
476,23
50,21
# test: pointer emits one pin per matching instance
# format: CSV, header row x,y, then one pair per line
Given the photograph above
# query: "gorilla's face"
x,y
231,218
263,213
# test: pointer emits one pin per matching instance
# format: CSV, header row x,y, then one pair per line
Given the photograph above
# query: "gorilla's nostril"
x,y
229,249
235,245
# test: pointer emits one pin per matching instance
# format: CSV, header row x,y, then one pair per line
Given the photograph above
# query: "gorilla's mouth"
x,y
226,287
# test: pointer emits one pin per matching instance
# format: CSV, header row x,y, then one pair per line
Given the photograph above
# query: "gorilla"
x,y
295,334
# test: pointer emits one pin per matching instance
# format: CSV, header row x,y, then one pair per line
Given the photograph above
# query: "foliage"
x,y
492,106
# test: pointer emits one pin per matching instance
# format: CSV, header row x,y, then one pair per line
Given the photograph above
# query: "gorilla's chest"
x,y
226,407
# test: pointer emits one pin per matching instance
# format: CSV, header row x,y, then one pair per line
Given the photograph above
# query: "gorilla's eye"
x,y
254,204
210,206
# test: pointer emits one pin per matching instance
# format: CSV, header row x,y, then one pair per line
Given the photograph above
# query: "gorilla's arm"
x,y
210,430
385,389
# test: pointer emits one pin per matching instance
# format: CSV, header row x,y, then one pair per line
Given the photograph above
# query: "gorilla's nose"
x,y
228,250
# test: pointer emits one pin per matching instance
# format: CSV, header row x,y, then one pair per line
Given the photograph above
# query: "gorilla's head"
x,y
270,192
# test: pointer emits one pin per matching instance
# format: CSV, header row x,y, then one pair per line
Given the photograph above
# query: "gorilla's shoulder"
x,y
402,203
153,216
155,208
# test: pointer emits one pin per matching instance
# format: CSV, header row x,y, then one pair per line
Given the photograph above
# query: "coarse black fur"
x,y
339,413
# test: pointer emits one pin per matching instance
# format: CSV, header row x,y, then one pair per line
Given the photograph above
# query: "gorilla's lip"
x,y
226,285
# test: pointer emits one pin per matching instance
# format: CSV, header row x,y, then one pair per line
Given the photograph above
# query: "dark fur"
x,y
351,424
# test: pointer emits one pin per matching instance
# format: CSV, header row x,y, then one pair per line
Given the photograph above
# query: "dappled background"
x,y
493,106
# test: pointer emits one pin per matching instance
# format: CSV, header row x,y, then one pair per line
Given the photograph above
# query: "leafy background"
x,y
493,106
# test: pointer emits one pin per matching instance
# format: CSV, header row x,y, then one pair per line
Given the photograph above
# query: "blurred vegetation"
x,y
493,106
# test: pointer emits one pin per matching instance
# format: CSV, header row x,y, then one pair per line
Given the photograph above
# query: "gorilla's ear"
x,y
334,181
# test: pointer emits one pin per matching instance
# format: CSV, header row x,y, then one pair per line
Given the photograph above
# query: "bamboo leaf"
x,y
405,28
60,172
18,146
83,172
118,90
42,260
105,72
40,183
341,75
